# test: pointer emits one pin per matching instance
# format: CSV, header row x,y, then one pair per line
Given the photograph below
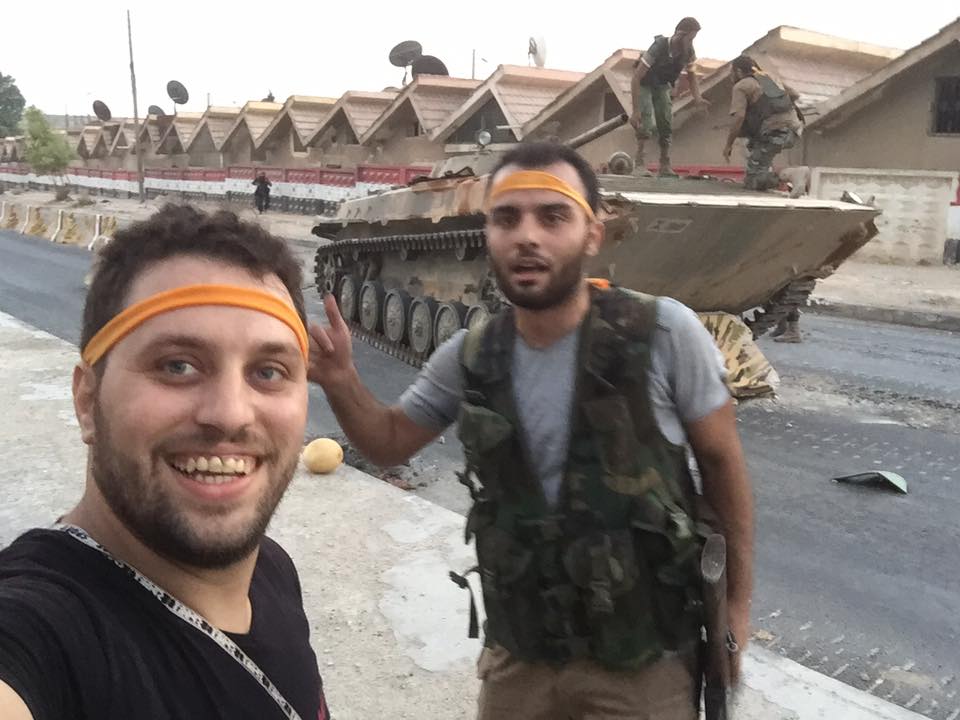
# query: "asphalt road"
x,y
859,583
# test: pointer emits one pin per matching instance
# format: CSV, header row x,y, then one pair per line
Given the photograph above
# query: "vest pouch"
x,y
666,537
614,433
604,565
503,560
485,436
511,595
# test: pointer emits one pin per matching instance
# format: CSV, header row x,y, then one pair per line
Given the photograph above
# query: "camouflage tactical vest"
x,y
666,67
773,100
612,572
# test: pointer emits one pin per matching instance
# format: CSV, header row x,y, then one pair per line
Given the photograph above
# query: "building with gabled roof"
x,y
206,142
336,141
240,144
402,133
502,105
284,142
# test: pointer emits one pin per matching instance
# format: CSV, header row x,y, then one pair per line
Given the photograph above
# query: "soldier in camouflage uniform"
x,y
652,90
576,406
764,112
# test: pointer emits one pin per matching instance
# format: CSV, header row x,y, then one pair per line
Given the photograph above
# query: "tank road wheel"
x,y
477,316
347,298
464,252
371,306
449,320
328,273
396,315
423,310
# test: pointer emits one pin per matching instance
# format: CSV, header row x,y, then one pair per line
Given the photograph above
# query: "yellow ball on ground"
x,y
323,455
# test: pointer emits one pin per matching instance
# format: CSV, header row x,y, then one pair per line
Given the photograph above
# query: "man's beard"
x,y
562,284
148,508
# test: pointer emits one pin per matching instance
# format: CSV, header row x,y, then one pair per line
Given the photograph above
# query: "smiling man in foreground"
x,y
159,595
575,406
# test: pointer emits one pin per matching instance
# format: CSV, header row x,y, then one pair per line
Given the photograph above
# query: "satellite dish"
x,y
177,92
154,110
405,53
428,65
537,51
101,110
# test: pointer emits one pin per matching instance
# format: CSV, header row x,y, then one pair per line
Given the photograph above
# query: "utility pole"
x,y
136,114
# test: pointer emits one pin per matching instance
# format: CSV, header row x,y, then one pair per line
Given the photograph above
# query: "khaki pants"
x,y
583,690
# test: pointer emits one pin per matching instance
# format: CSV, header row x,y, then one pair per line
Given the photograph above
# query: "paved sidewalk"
x,y
922,296
388,627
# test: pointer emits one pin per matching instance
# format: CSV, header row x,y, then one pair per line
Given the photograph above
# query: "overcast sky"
x,y
64,55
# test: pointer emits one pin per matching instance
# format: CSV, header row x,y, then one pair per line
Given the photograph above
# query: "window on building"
x,y
946,106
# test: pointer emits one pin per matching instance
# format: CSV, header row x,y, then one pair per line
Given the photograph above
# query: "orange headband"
x,y
538,180
189,296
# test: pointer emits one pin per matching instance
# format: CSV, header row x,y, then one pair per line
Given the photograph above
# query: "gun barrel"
x,y
601,129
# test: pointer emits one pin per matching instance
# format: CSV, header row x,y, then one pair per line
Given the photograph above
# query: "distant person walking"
x,y
261,196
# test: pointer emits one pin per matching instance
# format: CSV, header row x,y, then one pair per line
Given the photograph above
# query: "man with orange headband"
x,y
158,595
575,407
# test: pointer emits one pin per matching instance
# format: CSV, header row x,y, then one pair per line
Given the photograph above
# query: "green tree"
x,y
11,106
47,152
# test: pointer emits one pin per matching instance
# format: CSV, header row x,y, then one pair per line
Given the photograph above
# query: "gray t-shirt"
x,y
685,380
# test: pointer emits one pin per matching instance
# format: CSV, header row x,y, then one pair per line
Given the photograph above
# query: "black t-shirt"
x,y
81,640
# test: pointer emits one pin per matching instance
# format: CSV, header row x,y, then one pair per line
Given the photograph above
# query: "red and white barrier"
x,y
297,189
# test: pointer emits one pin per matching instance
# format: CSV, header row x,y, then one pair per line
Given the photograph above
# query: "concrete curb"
x,y
797,692
894,316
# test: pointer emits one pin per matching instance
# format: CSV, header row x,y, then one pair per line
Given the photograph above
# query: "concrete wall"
x,y
894,132
281,153
203,152
699,140
347,156
409,151
239,150
621,139
915,205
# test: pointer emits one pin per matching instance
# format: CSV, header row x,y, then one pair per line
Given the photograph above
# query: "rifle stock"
x,y
719,640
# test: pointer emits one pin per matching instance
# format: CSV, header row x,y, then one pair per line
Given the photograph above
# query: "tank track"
x,y
351,251
333,259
